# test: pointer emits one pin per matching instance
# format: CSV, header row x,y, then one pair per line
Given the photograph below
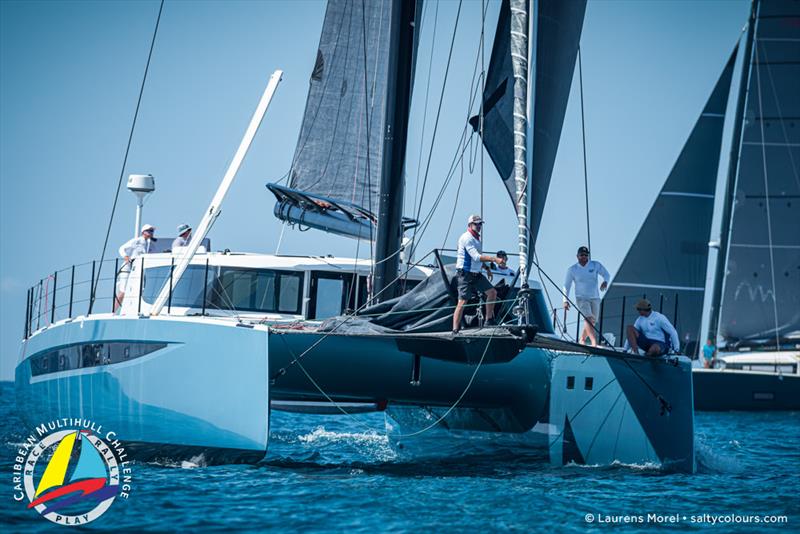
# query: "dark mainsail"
x,y
761,296
336,170
558,26
667,261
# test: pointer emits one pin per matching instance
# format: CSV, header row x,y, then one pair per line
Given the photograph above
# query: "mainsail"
x,y
557,25
668,258
761,296
335,176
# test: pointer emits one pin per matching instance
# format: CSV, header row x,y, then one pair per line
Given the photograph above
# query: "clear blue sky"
x,y
70,74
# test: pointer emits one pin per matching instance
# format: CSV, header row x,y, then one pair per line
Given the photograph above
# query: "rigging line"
x,y
461,147
127,151
466,388
455,206
425,110
767,203
780,118
282,370
438,115
583,136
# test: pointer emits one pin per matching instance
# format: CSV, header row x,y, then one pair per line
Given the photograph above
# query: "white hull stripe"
x,y
716,115
659,286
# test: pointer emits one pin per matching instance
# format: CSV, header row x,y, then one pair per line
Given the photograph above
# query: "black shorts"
x,y
471,284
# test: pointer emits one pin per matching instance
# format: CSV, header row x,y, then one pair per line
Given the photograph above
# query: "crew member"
x,y
184,236
469,262
650,332
584,275
130,251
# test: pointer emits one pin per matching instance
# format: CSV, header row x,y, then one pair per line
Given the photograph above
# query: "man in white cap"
x,y
469,262
584,275
129,251
184,236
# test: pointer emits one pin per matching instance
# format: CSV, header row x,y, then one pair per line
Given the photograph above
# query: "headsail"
x,y
761,296
668,259
335,175
557,26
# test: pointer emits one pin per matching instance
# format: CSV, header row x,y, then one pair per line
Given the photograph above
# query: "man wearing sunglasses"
x,y
587,299
469,262
650,332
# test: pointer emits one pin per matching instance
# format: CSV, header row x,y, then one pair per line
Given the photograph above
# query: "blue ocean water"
x,y
338,473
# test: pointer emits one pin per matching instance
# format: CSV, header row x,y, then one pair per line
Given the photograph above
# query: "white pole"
x,y
213,210
139,204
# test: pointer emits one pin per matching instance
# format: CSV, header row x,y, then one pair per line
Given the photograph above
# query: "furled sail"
x,y
667,261
558,26
335,175
761,295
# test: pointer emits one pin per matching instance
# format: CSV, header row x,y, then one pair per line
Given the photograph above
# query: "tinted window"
x,y
188,292
261,290
83,355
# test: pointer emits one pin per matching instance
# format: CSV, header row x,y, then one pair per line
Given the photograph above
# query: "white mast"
x,y
519,62
213,210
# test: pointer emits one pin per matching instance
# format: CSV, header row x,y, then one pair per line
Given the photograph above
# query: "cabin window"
x,y
258,290
229,288
84,355
187,293
330,294
570,382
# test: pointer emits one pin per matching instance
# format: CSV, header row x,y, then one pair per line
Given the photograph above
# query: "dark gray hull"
x,y
381,369
719,390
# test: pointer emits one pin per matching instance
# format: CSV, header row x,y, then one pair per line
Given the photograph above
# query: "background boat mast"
x,y
733,171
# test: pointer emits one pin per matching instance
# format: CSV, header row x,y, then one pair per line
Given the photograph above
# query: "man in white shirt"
x,y
587,299
650,330
184,236
469,262
129,251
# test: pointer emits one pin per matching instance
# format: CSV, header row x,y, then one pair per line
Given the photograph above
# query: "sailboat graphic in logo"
x,y
88,490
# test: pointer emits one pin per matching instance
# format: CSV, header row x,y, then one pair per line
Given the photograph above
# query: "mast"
x,y
519,62
733,171
398,98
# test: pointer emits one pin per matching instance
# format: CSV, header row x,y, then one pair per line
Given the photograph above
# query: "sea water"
x,y
337,473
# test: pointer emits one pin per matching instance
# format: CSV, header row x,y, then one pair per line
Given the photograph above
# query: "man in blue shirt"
x,y
709,350
469,262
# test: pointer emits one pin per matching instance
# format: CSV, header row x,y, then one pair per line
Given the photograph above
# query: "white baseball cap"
x,y
147,227
474,219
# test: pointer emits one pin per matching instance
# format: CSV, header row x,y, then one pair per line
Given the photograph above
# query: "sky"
x,y
69,79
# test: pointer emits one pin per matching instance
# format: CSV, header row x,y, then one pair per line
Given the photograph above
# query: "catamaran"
x,y
206,343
